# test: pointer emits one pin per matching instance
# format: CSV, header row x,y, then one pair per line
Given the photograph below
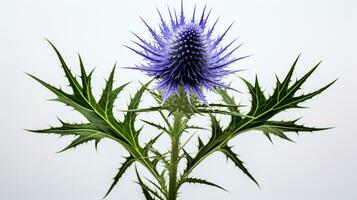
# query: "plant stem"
x,y
173,169
175,151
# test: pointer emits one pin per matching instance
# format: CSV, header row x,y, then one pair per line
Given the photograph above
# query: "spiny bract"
x,y
184,54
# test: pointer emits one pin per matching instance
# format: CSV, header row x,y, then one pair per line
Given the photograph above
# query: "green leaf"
x,y
188,158
201,181
146,190
284,97
216,129
130,116
109,95
258,98
282,88
278,128
218,111
71,79
157,187
263,108
151,109
200,143
85,133
150,144
235,109
159,157
226,150
231,107
294,101
84,103
229,100
107,90
158,126
68,99
213,145
195,128
99,114
86,83
128,162
273,130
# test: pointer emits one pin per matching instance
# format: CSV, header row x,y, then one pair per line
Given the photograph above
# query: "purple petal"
x,y
199,94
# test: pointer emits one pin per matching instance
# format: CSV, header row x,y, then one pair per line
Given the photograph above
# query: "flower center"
x,y
187,55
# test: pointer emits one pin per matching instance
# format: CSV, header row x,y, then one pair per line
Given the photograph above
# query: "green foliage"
x,y
146,190
101,120
128,162
226,150
201,181
101,123
262,109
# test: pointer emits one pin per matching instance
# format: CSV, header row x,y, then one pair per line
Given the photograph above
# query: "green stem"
x,y
173,169
177,130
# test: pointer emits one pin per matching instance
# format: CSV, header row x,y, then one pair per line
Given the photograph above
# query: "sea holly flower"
x,y
184,58
186,54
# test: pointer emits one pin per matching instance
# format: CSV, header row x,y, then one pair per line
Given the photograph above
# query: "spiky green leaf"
x,y
85,132
147,191
226,150
202,181
279,128
158,126
128,162
263,108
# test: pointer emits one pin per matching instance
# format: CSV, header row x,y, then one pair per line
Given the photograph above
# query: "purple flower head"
x,y
185,54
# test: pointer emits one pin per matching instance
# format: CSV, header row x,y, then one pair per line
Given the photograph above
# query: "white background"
x,y
319,166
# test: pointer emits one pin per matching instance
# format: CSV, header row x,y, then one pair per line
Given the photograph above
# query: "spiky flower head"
x,y
184,55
